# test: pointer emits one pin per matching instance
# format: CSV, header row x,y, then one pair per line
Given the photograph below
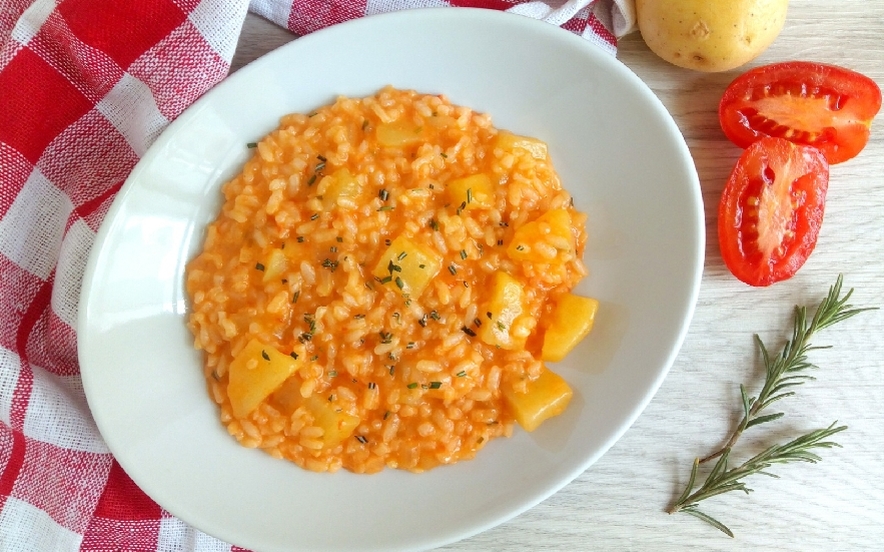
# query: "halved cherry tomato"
x,y
771,210
828,107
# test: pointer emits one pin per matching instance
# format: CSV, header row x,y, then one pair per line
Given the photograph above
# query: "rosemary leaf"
x,y
783,375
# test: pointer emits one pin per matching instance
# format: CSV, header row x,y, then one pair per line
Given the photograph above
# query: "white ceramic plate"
x,y
618,152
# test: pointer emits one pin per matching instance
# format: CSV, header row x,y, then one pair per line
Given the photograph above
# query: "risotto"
x,y
383,286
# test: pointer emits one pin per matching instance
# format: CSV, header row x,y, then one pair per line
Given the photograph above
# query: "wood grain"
x,y
838,504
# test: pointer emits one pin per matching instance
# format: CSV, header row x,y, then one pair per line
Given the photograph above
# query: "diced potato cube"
x,y
399,134
547,396
340,188
508,141
471,192
571,321
505,314
408,266
274,265
336,424
549,239
256,372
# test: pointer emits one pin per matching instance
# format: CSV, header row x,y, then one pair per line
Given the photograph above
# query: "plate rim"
x,y
244,73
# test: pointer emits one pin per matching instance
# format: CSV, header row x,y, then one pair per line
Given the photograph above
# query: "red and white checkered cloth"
x,y
85,88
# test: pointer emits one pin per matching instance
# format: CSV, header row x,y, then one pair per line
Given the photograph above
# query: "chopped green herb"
x,y
386,337
385,280
462,373
339,239
469,195
383,194
358,316
434,315
434,225
314,358
330,264
499,242
435,384
412,385
392,267
264,355
399,283
295,296
386,208
372,385
468,331
260,267
314,216
321,158
452,269
364,124
311,180
410,345
392,369
477,322
361,439
251,145
332,373
423,321
463,253
501,326
300,239
386,414
444,155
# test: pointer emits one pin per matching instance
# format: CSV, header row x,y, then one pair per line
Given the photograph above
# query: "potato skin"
x,y
710,35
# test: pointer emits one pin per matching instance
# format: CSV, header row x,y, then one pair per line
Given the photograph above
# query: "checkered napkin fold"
x,y
85,88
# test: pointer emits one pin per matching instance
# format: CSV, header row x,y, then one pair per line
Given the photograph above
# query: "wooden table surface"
x,y
838,504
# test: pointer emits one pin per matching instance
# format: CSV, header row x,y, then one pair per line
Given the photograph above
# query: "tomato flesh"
x,y
825,106
771,210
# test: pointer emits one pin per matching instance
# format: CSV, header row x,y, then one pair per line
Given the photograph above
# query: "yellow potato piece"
x,y
548,239
340,188
407,266
471,192
506,323
510,142
274,265
547,396
572,320
256,372
399,134
336,424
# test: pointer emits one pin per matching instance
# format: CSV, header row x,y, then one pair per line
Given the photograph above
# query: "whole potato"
x,y
710,35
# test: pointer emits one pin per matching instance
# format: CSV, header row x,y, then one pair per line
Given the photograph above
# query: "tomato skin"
x,y
813,104
771,210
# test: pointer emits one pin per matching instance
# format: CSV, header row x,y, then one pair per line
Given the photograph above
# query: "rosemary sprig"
x,y
782,374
